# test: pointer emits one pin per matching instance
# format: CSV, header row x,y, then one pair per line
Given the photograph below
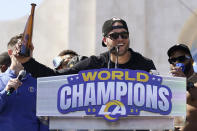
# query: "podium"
x,y
147,115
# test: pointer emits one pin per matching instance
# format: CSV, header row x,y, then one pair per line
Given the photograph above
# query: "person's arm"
x,y
13,83
35,68
3,96
192,86
151,68
176,71
193,91
152,65
39,70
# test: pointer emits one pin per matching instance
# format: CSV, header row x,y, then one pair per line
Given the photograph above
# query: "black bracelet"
x,y
190,85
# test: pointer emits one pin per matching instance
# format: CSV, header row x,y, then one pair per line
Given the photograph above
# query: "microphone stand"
x,y
108,66
109,61
117,52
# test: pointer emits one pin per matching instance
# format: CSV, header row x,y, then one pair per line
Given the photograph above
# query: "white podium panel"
x,y
48,104
129,123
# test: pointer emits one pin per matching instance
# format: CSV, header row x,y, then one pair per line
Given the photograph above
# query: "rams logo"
x,y
112,110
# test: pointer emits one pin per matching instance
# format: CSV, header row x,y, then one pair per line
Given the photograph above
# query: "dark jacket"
x,y
136,62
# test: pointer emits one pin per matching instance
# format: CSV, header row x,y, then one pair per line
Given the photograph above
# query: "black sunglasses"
x,y
179,59
114,36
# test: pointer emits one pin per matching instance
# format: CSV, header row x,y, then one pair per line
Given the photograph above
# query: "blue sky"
x,y
14,9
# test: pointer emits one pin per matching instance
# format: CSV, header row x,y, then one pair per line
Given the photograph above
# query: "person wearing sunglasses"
x,y
179,54
63,58
115,35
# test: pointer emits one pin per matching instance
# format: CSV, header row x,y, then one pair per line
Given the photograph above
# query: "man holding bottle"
x,y
181,65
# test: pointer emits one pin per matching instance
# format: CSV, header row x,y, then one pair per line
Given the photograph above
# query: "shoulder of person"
x,y
99,58
138,56
84,61
4,78
96,61
193,77
2,85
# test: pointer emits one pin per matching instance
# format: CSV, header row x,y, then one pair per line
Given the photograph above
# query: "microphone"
x,y
116,50
113,49
20,76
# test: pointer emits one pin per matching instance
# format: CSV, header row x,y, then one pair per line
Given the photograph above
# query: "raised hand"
x,y
16,53
176,71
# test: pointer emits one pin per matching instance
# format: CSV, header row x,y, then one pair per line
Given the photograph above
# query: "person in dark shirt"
x,y
115,38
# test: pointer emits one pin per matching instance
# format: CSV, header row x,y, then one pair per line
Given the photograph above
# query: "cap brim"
x,y
177,47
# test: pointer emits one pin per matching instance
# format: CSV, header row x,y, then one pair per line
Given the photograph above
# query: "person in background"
x,y
4,61
66,59
18,109
181,65
63,58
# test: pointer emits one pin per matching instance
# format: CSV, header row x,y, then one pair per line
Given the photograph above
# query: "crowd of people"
x,y
18,109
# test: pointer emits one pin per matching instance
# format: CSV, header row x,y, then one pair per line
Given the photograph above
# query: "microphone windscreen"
x,y
21,74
